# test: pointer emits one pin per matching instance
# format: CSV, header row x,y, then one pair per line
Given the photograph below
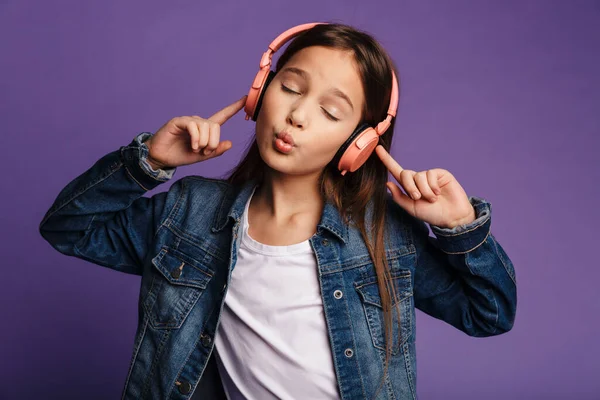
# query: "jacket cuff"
x,y
467,237
135,158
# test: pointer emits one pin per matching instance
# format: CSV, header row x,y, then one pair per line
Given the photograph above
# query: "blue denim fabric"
x,y
183,243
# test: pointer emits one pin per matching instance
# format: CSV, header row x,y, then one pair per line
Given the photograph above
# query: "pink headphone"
x,y
360,145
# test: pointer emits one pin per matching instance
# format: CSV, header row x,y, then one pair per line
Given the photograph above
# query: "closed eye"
x,y
288,90
331,117
327,114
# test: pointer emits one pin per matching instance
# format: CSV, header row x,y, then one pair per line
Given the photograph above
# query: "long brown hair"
x,y
351,193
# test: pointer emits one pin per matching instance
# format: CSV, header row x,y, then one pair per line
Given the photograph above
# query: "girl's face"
x,y
309,109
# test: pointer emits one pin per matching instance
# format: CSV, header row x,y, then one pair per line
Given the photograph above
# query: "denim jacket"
x,y
183,243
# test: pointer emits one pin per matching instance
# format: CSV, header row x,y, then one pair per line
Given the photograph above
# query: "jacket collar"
x,y
331,219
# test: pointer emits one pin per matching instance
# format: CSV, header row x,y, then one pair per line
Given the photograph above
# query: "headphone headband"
x,y
291,33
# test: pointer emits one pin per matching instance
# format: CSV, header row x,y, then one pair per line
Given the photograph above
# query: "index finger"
x,y
221,116
388,161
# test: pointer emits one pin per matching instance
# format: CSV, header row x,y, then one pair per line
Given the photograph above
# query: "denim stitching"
x,y
138,345
366,260
136,181
168,221
147,307
194,348
381,354
100,261
195,242
90,224
467,251
354,344
77,194
462,232
328,324
154,364
488,291
497,313
509,271
409,370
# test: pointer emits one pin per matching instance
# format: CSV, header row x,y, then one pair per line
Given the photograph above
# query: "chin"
x,y
278,162
288,166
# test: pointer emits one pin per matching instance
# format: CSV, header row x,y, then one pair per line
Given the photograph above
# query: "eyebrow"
x,y
303,74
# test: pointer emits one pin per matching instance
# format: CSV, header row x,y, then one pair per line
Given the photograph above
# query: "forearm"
x,y
465,278
112,184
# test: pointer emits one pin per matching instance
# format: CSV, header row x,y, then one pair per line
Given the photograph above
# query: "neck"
x,y
283,196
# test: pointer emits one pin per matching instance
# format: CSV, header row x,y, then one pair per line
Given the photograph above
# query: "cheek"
x,y
325,145
269,105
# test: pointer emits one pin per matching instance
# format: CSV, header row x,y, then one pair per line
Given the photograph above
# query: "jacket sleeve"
x,y
464,277
101,216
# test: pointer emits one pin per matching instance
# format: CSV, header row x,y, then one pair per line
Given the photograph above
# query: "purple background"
x,y
505,95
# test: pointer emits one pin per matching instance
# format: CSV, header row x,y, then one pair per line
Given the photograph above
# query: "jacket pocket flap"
x,y
181,269
369,290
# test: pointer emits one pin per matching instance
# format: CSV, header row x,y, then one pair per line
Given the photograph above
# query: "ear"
x,y
263,90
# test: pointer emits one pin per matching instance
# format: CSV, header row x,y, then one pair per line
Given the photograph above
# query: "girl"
x,y
297,277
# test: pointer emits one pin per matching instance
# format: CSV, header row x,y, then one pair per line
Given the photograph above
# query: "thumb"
x,y
221,148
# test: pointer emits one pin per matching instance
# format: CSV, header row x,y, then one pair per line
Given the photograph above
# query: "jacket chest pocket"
x,y
178,281
402,324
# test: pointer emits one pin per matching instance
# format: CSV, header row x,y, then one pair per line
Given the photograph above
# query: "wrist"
x,y
463,221
153,163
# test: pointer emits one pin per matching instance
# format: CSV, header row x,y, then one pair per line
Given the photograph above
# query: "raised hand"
x,y
436,197
191,139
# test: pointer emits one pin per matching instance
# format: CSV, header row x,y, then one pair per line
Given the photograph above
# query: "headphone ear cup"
x,y
359,129
357,149
263,89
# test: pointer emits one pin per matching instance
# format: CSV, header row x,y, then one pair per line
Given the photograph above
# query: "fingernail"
x,y
415,195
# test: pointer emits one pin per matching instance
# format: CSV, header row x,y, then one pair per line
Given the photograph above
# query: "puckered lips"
x,y
284,142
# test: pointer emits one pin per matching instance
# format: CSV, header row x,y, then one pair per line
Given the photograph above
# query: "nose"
x,y
297,118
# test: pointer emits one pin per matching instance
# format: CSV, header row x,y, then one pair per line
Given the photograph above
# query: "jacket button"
x,y
206,340
176,273
338,294
185,387
325,242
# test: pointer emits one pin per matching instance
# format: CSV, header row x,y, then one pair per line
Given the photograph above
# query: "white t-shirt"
x,y
272,340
